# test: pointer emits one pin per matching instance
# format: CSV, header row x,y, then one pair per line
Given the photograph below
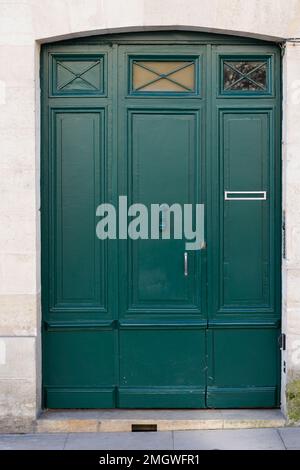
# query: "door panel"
x,y
243,366
77,186
79,368
162,166
244,321
80,343
162,319
162,367
245,239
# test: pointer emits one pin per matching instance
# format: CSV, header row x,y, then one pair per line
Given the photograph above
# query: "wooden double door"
x,y
161,118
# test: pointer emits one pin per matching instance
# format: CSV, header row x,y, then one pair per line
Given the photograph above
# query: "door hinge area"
x,y
282,46
283,236
282,341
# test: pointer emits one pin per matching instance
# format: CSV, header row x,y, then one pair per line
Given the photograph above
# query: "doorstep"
x,y
61,421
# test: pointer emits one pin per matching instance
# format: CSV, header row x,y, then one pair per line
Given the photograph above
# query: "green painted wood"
x,y
78,262
161,145
88,398
244,264
123,327
162,360
161,161
245,249
242,359
77,74
79,358
242,397
159,397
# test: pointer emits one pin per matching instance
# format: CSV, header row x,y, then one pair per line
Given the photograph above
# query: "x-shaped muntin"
x,y
78,75
244,75
161,76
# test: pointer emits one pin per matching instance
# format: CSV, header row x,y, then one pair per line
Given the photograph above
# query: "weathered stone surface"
x,y
33,442
18,315
18,274
17,405
166,420
125,441
244,439
291,438
17,360
266,18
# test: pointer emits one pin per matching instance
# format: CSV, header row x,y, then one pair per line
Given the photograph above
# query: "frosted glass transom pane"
x,y
169,76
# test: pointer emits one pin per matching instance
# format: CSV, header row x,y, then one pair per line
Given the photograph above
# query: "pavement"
x,y
287,438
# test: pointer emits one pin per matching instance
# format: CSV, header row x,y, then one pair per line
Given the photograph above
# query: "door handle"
x,y
186,271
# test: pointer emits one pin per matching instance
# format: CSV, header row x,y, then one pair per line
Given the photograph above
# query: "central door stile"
x,y
114,269
210,194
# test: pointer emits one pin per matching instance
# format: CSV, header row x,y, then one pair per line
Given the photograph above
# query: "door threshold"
x,y
117,420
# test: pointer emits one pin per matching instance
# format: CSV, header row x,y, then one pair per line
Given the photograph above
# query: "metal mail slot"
x,y
245,195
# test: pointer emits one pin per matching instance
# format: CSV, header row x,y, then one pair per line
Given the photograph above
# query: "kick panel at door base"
x,y
175,118
152,359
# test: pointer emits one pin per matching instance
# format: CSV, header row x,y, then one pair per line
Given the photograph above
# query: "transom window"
x,y
245,75
163,76
74,74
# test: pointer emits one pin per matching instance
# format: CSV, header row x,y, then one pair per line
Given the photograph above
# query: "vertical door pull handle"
x,y
186,272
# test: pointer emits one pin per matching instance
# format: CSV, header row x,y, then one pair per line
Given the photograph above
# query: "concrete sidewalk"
x,y
235,439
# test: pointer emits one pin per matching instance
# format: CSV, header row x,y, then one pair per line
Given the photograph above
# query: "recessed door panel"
x,y
243,367
162,368
79,279
163,168
81,372
245,239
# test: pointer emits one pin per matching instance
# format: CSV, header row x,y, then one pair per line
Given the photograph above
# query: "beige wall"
x,y
291,205
25,23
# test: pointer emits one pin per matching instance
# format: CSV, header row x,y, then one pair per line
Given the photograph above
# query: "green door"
x,y
176,119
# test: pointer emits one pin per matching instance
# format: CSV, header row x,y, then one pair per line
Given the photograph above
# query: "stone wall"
x,y
291,206
24,24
